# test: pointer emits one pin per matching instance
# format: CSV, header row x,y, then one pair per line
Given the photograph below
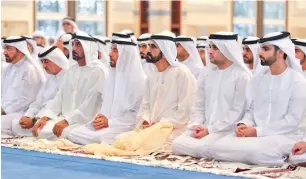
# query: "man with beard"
x,y
22,78
276,102
170,93
300,52
123,95
55,63
251,54
143,45
188,55
143,40
220,98
80,95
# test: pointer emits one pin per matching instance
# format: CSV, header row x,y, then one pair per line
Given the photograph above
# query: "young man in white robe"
x,y
80,95
170,93
251,54
220,99
300,52
22,78
55,63
143,41
276,102
298,154
123,95
188,54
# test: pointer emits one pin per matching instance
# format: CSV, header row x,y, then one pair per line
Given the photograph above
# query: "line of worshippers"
x,y
232,101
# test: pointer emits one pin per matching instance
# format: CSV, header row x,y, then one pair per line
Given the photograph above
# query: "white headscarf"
x,y
103,49
144,38
61,29
165,42
191,48
108,44
131,33
202,40
21,44
252,43
229,47
55,55
90,49
66,38
125,83
42,34
31,41
301,44
282,40
204,46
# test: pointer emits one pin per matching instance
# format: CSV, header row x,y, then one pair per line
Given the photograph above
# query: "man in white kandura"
x,y
298,154
21,80
220,99
55,63
80,95
170,93
123,95
276,102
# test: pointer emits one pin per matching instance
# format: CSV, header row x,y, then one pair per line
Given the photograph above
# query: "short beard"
x,y
151,59
268,62
75,56
247,61
8,59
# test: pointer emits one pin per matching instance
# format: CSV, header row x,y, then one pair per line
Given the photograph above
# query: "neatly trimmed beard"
x,y
267,62
151,59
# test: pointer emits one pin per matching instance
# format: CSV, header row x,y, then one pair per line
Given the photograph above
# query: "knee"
x,y
267,157
177,144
